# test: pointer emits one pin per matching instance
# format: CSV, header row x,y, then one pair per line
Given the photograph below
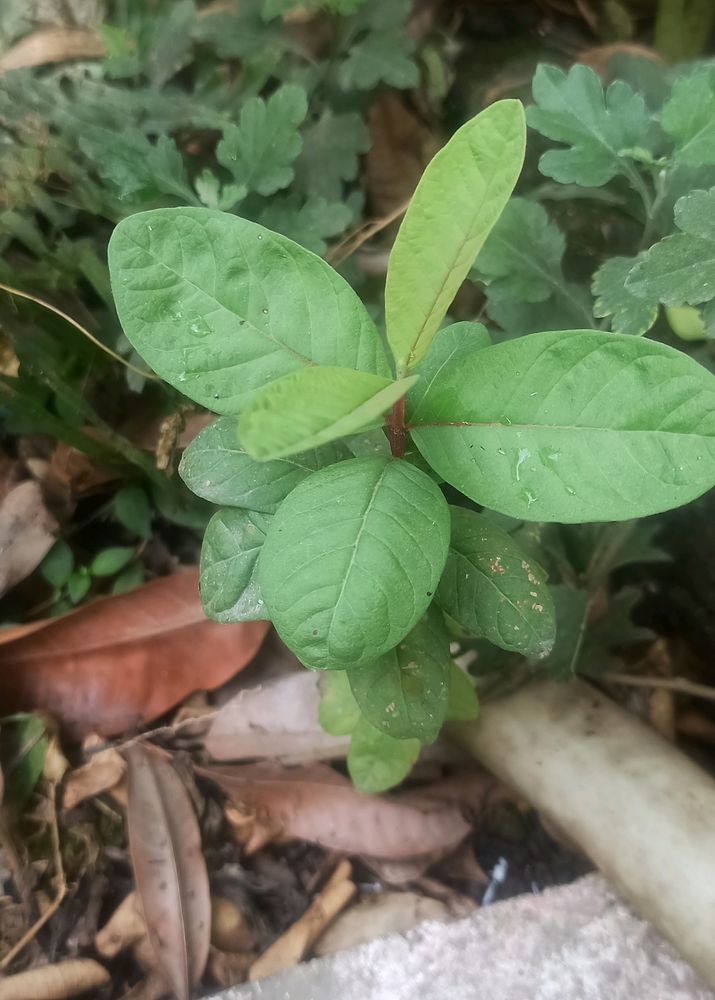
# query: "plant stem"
x,y
397,432
682,28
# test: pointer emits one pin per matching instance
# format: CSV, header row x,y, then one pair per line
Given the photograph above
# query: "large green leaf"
x,y
455,341
459,198
352,559
216,467
404,694
229,589
377,761
218,306
313,406
339,713
492,588
598,128
573,426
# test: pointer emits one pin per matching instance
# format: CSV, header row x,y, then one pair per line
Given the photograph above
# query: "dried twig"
x,y
347,247
679,684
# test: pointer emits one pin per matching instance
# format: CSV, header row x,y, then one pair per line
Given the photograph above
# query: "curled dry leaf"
x,y
26,533
125,926
101,772
52,45
317,804
121,661
169,867
275,720
55,982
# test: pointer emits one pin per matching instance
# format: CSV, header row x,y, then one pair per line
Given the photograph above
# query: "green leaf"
x,y
352,559
454,342
219,306
521,261
565,312
680,270
381,57
313,406
404,694
458,200
339,713
572,607
133,510
216,467
463,704
23,745
110,561
259,151
491,588
376,761
230,591
332,146
309,223
598,128
573,426
134,166
629,314
58,564
688,117
129,579
78,584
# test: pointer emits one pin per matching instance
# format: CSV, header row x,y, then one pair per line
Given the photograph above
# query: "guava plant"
x,y
330,448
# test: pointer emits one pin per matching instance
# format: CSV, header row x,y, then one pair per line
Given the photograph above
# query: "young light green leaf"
x,y
614,298
58,564
680,270
688,117
573,426
79,583
215,466
313,406
110,561
599,128
259,151
491,588
229,588
521,261
219,306
376,761
352,559
454,342
458,200
463,704
404,694
339,713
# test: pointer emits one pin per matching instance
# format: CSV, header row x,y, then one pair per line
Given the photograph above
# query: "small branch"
x,y
397,432
679,684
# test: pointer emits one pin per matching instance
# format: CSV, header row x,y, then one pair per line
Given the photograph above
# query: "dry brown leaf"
x,y
292,946
317,804
121,661
27,533
55,982
275,720
169,867
125,926
52,45
229,968
229,929
101,772
152,987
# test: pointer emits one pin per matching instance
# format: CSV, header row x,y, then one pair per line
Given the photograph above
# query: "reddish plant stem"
x,y
397,432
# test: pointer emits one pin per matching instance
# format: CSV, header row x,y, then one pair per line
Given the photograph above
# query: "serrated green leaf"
x,y
521,261
228,583
331,154
58,564
311,407
216,467
309,223
338,713
351,560
573,426
598,127
688,117
463,704
219,306
680,270
376,761
404,694
110,561
136,167
260,150
491,588
454,342
457,202
382,57
629,314
133,510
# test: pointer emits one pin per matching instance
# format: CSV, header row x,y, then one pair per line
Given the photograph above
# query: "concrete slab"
x,y
578,942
